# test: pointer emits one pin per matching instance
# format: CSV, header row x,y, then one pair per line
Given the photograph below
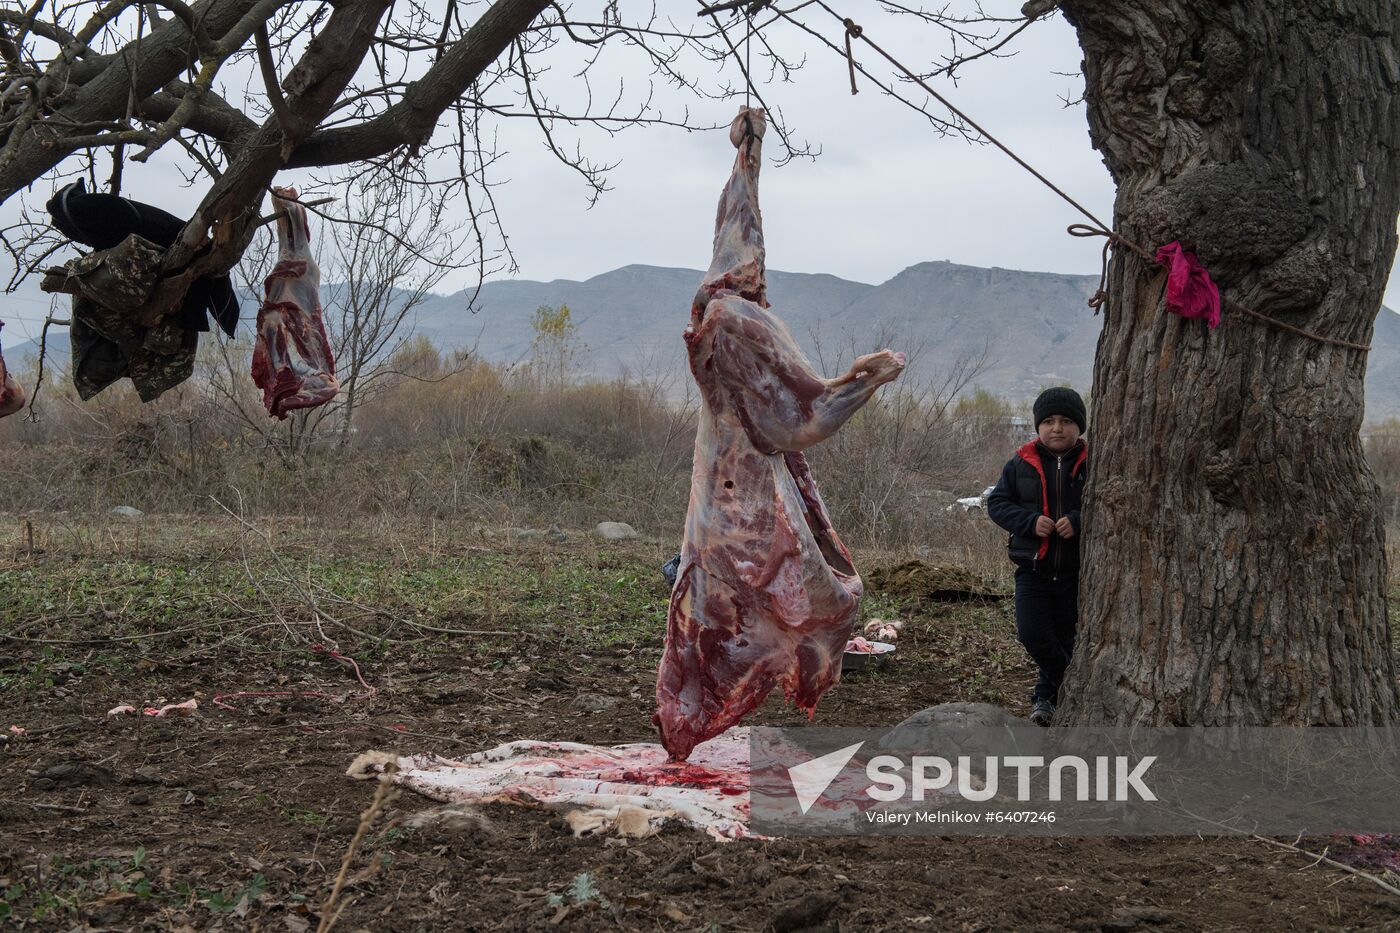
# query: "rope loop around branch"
x,y
853,31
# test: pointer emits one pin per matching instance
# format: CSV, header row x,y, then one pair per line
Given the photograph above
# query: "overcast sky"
x,y
886,192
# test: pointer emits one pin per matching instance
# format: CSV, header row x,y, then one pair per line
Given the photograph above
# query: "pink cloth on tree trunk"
x,y
1190,292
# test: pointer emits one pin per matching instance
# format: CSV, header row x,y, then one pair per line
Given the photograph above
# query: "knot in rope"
x,y
852,31
1114,238
1111,238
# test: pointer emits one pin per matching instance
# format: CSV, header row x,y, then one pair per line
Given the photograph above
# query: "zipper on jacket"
x,y
1059,510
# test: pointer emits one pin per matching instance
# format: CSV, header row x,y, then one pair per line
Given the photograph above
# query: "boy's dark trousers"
x,y
1046,611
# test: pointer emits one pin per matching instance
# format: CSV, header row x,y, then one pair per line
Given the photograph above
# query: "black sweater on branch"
x,y
103,221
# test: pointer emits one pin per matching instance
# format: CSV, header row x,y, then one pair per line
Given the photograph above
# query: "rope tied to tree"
x,y
1098,228
1113,237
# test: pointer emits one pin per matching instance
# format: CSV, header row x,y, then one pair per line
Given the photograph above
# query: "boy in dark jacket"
x,y
1037,502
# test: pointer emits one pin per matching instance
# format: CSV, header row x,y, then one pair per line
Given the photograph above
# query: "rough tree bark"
x,y
1234,551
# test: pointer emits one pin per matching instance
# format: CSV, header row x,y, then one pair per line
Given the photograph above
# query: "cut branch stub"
x,y
412,120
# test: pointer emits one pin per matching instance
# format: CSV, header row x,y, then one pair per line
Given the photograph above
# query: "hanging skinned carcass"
x,y
766,594
292,360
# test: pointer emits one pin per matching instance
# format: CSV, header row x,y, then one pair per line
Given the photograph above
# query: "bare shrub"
x,y
448,436
1382,446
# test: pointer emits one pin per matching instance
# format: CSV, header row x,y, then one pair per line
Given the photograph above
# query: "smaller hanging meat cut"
x,y
11,392
292,361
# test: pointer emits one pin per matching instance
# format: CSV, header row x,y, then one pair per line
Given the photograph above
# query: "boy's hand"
x,y
1044,528
1065,527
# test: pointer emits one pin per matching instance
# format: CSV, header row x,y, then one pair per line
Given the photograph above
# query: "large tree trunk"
x,y
1234,551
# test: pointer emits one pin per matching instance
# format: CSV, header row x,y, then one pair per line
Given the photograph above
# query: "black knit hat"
x,y
1061,400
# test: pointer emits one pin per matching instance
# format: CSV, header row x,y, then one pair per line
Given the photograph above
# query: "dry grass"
x,y
453,439
457,441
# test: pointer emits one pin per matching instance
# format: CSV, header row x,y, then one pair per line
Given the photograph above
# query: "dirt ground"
x,y
239,819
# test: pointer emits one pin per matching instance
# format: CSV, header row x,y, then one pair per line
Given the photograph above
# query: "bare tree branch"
x,y
410,121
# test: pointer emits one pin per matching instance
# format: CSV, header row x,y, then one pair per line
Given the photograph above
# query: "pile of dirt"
x,y
916,580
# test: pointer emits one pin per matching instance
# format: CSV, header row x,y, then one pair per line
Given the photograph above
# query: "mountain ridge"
x,y
1027,329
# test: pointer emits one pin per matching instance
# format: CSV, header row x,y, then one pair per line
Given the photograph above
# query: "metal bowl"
x,y
867,660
